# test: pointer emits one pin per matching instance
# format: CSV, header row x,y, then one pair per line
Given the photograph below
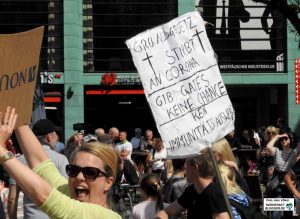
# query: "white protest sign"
x,y
183,84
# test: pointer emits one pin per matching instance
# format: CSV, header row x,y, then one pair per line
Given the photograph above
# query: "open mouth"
x,y
81,192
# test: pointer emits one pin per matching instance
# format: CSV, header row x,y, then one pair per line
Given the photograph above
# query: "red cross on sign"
x,y
297,80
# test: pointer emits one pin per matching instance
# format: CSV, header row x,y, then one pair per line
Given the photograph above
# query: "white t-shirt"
x,y
145,210
124,146
158,156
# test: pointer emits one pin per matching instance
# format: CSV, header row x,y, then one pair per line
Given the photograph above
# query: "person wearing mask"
x,y
91,173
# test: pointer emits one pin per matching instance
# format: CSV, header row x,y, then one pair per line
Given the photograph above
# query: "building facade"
x,y
88,75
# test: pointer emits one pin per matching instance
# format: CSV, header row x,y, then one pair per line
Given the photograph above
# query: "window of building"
x,y
108,23
22,15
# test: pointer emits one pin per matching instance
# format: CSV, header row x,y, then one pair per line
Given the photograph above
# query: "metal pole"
x,y
219,180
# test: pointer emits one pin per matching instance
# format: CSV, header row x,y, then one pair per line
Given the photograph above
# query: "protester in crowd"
x,y
246,140
3,198
156,160
139,144
265,162
256,138
99,131
223,152
4,178
251,166
14,205
233,140
177,183
44,130
203,198
261,133
106,139
124,147
283,159
292,182
91,174
151,192
59,146
114,133
137,141
232,189
75,141
149,138
169,169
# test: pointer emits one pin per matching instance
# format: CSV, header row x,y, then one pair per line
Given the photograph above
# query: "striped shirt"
x,y
285,159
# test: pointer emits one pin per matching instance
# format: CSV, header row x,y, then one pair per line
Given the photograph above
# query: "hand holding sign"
x,y
183,84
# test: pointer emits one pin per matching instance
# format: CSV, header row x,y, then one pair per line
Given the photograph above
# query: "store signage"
x,y
48,78
297,80
112,79
183,84
109,79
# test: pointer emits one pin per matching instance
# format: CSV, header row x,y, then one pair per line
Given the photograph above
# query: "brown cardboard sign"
x,y
19,69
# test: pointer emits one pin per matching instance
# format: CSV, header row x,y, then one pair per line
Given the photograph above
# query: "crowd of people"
x,y
84,177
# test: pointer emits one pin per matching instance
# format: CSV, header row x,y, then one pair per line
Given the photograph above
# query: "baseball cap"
x,y
43,127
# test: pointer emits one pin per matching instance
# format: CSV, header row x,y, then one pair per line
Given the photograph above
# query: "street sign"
x,y
297,80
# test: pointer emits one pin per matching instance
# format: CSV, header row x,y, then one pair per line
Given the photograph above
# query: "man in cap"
x,y
45,132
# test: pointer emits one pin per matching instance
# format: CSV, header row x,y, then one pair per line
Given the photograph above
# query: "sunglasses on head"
x,y
88,172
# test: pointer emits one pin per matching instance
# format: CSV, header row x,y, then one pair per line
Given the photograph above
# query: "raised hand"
x,y
7,125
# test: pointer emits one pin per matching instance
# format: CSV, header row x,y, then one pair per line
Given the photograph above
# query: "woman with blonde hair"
x,y
223,152
91,172
232,189
265,162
